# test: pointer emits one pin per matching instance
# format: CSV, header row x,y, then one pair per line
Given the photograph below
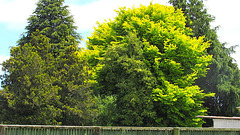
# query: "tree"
x,y
3,108
52,19
47,80
126,76
220,79
106,111
147,55
29,90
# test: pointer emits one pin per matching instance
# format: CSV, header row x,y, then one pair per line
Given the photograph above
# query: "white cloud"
x,y
226,16
15,12
87,15
3,58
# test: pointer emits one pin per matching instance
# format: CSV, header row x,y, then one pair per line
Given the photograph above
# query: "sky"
x,y
14,14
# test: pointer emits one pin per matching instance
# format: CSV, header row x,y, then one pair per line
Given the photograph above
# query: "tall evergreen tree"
x,y
29,91
221,78
52,19
47,81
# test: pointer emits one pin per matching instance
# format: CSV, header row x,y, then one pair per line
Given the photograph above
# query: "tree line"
x,y
149,66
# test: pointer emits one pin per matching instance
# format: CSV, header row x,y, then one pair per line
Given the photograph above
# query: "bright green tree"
x,y
161,59
221,78
47,80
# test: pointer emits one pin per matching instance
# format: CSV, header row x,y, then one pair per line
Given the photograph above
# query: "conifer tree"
x,y
47,81
29,91
221,78
52,19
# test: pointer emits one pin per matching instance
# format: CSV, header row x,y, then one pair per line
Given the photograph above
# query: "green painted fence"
x,y
84,130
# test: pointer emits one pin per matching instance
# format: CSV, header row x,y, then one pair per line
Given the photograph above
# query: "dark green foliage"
x,y
46,80
29,90
197,17
4,108
127,78
223,76
107,111
52,19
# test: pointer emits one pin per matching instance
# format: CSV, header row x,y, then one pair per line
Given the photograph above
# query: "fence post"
x,y
176,131
97,131
2,130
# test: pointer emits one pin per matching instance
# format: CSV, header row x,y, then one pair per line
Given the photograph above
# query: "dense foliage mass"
x,y
146,67
46,82
223,78
149,62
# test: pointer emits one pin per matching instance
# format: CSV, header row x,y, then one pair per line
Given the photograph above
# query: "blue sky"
x,y
14,14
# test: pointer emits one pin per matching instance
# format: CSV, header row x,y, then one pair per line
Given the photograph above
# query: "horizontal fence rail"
x,y
98,130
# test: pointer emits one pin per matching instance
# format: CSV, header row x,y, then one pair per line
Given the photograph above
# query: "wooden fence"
x,y
96,130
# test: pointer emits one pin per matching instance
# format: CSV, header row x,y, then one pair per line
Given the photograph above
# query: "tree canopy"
x,y
149,66
147,55
221,79
46,80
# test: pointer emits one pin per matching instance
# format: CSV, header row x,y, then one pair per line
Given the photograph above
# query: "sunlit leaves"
x,y
174,59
